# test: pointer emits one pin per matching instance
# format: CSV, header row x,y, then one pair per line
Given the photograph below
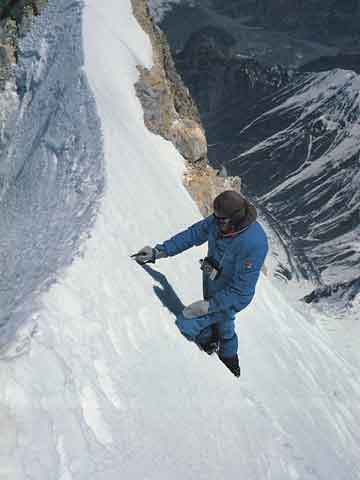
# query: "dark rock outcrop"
x,y
15,21
226,87
168,107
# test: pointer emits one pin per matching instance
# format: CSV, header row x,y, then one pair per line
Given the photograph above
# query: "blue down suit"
x,y
239,258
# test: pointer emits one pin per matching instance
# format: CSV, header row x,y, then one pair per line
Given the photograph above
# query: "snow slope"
x,y
52,173
109,388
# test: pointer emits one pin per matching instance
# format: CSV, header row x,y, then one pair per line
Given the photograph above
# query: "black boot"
x,y
232,364
211,347
213,344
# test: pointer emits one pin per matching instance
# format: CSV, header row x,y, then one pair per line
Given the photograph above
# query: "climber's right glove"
x,y
148,255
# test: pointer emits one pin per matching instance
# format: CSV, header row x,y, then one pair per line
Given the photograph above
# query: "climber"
x,y
237,247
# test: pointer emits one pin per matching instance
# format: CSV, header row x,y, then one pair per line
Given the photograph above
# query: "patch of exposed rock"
x,y
15,21
16,17
168,108
205,184
7,50
220,80
170,112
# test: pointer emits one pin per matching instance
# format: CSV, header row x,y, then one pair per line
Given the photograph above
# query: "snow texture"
x,y
109,388
51,174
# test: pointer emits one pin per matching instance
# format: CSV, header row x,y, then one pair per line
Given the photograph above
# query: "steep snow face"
x,y
109,389
300,156
51,171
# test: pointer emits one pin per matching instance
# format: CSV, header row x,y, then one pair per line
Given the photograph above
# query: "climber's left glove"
x,y
196,309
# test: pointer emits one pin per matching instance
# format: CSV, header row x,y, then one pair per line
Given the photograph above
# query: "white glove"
x,y
196,309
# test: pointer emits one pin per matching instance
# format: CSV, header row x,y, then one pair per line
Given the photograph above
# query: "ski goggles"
x,y
222,220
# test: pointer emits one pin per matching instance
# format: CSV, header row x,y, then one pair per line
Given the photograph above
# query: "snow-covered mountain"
x,y
107,387
292,137
300,157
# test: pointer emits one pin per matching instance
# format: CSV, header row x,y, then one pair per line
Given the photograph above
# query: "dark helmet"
x,y
231,204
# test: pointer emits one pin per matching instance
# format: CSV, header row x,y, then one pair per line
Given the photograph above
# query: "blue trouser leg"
x,y
193,327
205,336
228,338
199,329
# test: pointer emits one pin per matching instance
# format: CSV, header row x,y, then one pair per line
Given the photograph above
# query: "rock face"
x,y
168,107
18,9
8,37
15,21
170,111
204,184
225,86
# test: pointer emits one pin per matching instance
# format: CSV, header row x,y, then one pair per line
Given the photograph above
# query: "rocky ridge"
x,y
7,50
15,21
170,111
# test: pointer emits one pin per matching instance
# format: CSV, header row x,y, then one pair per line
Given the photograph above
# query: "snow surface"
x,y
51,172
108,388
